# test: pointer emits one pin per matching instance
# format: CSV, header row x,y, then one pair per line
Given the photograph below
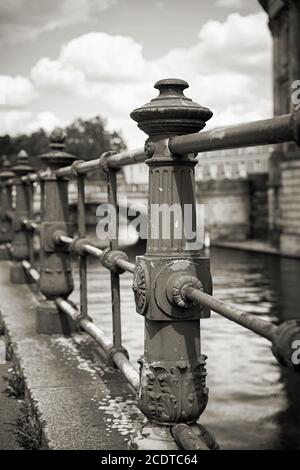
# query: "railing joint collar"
x,y
103,161
114,350
110,257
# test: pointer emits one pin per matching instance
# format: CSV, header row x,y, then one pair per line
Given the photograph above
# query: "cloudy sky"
x,y
63,59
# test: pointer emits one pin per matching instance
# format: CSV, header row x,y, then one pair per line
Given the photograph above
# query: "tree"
x,y
86,139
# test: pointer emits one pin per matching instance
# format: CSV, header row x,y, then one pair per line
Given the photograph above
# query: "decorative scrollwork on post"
x,y
172,388
172,393
140,288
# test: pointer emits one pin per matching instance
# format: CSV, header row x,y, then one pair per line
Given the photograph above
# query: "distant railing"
x,y
171,283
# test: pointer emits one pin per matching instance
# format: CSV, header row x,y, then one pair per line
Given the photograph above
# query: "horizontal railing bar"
x,y
188,437
257,325
119,358
86,247
115,161
30,225
33,273
30,178
97,252
92,250
126,158
125,265
266,132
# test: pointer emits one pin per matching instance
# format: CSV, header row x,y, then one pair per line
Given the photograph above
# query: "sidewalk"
x,y
10,408
78,400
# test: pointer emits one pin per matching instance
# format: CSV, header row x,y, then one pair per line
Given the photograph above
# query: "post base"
x,y
4,253
18,274
153,436
50,320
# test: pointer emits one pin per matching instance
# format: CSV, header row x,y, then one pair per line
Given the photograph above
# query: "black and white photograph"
x,y
149,229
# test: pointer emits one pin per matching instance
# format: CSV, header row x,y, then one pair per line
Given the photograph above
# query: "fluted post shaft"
x,y
6,209
20,241
172,369
55,263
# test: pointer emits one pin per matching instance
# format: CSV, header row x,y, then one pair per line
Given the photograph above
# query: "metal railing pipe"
x,y
115,161
233,313
126,158
283,337
270,131
94,251
31,226
6,231
119,358
31,271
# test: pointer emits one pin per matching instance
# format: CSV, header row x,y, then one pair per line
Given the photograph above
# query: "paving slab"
x,y
10,409
79,400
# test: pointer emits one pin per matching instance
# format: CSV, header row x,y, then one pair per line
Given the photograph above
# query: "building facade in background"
x,y
284,172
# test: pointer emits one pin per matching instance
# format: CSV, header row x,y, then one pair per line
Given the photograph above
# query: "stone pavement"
x,y
10,408
77,399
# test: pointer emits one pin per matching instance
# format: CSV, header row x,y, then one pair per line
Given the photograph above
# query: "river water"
x,y
253,402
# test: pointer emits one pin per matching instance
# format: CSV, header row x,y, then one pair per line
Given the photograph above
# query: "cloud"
x,y
226,46
16,91
228,68
103,57
20,20
231,3
16,122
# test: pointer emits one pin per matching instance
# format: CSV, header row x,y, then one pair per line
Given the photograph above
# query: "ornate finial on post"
x,y
6,207
55,270
172,370
57,157
171,112
20,242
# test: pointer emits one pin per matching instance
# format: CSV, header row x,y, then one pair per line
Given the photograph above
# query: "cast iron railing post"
x,y
55,270
6,175
172,371
20,242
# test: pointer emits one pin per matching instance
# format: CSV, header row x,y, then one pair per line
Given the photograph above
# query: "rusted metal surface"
x,y
82,255
172,369
282,337
114,276
30,194
119,358
116,161
271,131
6,206
76,245
126,158
55,266
172,283
31,225
31,271
21,238
257,325
195,437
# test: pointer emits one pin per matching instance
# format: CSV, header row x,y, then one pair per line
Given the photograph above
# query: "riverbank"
x,y
256,246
